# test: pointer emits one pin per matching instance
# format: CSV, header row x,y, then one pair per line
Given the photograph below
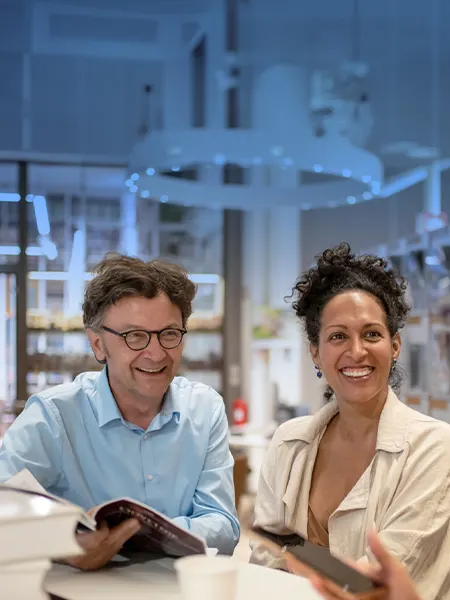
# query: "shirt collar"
x,y
106,404
108,410
392,428
171,405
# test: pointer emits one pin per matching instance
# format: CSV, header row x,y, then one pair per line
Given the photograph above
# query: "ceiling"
x,y
404,42
64,92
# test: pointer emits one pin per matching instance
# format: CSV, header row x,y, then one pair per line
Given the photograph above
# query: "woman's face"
x,y
356,351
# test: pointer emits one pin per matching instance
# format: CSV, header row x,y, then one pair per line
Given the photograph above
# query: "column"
x,y
272,366
284,264
232,271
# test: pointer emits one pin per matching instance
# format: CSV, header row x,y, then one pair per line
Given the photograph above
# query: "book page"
x,y
24,480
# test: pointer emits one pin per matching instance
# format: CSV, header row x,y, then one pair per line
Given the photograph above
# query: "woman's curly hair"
x,y
338,270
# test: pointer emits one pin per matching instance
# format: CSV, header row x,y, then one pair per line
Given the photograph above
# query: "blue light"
x,y
175,169
150,171
129,182
366,178
133,189
367,196
10,250
318,168
205,278
48,247
31,251
376,187
9,197
15,250
134,176
145,194
288,162
351,200
432,261
52,251
164,198
346,173
219,159
40,211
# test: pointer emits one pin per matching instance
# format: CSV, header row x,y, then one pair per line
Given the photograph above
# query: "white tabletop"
x,y
157,580
249,440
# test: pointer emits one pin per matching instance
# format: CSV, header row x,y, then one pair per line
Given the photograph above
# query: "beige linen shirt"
x,y
404,494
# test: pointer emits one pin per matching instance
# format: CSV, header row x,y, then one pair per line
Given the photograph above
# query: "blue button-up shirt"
x,y
75,442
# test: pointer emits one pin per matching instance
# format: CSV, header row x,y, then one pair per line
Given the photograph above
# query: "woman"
x,y
365,461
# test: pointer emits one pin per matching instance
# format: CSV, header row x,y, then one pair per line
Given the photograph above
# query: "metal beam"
x,y
232,272
21,298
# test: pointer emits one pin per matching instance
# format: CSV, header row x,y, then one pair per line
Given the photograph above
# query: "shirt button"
x,y
146,436
150,477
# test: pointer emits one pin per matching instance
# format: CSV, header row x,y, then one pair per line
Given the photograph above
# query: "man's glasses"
x,y
139,339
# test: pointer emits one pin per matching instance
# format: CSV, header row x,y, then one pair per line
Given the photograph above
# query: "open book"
x,y
158,534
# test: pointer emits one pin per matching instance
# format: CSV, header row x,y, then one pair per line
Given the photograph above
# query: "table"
x,y
157,580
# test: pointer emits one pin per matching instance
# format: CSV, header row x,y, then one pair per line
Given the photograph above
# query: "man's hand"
x,y
390,573
102,545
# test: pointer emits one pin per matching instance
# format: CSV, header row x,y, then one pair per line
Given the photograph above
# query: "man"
x,y
389,572
134,429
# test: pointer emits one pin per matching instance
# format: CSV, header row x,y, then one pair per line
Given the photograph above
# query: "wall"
x,y
361,225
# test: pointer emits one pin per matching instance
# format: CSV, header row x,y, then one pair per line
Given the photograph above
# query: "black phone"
x,y
318,559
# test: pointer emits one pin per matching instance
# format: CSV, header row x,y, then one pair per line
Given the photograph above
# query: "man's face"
x,y
144,375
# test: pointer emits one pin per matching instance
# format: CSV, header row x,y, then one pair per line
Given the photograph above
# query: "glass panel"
x,y
81,216
8,371
9,214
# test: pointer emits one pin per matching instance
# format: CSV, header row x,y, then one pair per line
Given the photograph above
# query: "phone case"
x,y
307,559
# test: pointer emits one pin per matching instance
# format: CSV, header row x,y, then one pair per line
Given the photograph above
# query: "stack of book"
x,y
34,530
37,527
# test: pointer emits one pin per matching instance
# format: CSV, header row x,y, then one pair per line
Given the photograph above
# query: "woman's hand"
x,y
389,573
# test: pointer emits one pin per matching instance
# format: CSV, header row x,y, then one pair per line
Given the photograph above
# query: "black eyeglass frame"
x,y
149,334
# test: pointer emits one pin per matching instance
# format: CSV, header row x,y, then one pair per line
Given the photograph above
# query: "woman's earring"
x,y
319,372
394,363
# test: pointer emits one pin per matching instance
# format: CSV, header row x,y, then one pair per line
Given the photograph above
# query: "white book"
x,y
34,527
24,580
